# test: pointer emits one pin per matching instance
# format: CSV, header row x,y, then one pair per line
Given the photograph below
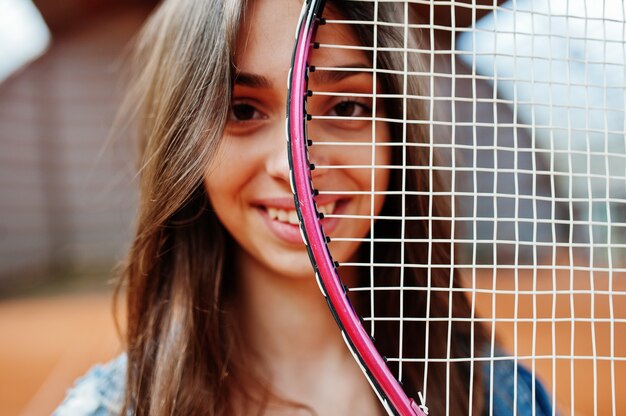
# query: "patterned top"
x,y
101,391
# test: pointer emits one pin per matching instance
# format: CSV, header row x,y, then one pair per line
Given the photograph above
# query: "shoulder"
x,y
508,385
98,393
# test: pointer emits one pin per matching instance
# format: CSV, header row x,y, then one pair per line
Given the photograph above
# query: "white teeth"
x,y
327,209
291,216
282,215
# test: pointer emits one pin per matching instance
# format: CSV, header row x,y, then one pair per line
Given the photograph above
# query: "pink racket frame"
x,y
356,337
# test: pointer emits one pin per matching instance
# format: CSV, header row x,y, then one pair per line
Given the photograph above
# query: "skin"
x,y
284,319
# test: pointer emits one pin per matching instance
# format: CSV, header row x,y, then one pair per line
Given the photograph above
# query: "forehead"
x,y
266,40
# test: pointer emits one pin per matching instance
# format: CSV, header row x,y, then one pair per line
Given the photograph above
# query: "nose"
x,y
277,162
318,159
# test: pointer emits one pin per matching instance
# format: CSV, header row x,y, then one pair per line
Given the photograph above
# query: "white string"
x,y
520,302
474,212
609,220
431,34
571,246
521,357
403,203
419,73
553,230
492,349
373,159
452,212
474,99
516,232
591,244
467,124
535,261
513,320
470,240
460,219
506,292
443,146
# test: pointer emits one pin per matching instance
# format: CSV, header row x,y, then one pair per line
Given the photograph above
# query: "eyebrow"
x,y
252,80
330,75
322,76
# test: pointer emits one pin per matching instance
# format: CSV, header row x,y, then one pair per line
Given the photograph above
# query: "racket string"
x,y
563,259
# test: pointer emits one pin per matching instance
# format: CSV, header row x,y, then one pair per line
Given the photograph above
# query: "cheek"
x,y
217,196
383,158
224,181
382,178
216,183
363,156
223,186
232,168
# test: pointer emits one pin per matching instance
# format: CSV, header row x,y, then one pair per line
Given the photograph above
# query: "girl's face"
x,y
248,185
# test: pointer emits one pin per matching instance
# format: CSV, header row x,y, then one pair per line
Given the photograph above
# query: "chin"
x,y
298,268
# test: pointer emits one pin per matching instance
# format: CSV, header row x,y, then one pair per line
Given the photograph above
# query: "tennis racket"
x,y
470,202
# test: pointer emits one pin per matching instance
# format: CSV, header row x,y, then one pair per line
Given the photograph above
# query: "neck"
x,y
286,323
285,318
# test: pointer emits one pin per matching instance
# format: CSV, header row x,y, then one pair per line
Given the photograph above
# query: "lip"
x,y
290,233
279,203
289,204
329,224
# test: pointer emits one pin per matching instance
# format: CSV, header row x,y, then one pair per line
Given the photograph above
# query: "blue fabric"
x,y
101,391
503,398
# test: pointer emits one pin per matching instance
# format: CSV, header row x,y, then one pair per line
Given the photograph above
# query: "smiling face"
x,y
248,185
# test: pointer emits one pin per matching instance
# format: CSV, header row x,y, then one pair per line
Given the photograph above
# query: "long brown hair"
x,y
184,356
178,341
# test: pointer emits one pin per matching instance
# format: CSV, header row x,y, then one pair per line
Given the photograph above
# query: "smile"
x,y
281,218
291,216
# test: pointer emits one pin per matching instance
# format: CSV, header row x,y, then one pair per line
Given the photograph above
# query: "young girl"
x,y
224,314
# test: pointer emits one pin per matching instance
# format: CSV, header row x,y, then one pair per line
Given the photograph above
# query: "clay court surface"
x,y
46,343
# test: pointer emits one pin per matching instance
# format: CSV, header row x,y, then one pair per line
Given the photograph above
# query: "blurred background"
x,y
67,191
68,196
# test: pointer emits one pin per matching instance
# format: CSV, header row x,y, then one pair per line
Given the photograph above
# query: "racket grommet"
x,y
309,93
320,215
309,117
322,21
311,166
309,142
336,264
327,239
311,68
316,192
384,358
316,45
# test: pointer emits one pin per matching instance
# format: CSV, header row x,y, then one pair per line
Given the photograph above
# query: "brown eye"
x,y
345,109
243,112
349,108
